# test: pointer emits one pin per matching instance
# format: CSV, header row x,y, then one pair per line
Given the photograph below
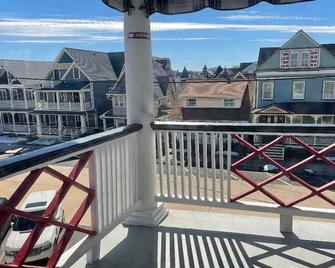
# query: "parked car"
x,y
270,168
309,171
4,229
36,203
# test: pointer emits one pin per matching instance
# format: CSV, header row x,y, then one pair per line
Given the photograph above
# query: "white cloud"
x,y
188,39
269,17
76,30
270,40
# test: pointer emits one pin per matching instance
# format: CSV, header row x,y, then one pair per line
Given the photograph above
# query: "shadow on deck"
x,y
246,242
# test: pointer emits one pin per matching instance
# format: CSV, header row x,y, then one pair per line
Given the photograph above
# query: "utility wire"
x,y
191,81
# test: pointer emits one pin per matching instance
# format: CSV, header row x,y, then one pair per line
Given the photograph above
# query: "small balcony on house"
x,y
65,97
16,99
23,123
66,126
227,207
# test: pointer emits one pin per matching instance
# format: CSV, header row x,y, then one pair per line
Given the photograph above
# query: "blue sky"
x,y
38,29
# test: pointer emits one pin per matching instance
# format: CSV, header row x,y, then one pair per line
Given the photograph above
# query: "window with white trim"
x,y
297,119
229,102
3,95
267,90
305,56
30,95
328,90
298,90
119,101
76,73
294,59
327,120
191,102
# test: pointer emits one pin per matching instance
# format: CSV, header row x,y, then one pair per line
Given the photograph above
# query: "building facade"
x,y
17,99
69,103
164,94
296,83
217,101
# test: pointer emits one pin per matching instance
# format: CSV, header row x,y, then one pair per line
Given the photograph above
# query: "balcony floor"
x,y
201,239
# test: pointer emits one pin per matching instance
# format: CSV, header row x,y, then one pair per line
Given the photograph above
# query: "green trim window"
x,y
267,90
191,102
229,102
298,90
328,90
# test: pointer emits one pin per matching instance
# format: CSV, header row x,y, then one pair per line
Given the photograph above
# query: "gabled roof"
x,y
330,48
265,53
214,90
96,65
160,78
28,72
117,60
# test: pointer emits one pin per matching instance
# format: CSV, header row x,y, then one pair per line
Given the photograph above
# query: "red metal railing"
x,y
283,171
47,218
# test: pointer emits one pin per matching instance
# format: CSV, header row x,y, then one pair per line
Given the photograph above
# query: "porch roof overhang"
x,y
299,107
172,7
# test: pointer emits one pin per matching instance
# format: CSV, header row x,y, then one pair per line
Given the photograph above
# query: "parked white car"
x,y
36,203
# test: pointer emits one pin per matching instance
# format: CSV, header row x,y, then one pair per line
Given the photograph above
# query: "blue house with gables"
x,y
296,83
69,103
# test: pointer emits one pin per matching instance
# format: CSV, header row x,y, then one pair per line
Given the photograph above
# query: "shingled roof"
x,y
28,72
96,65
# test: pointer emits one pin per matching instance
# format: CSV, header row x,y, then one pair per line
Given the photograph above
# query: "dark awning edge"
x,y
174,7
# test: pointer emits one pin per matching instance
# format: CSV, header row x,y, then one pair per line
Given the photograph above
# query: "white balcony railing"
x,y
17,104
111,194
8,128
50,130
6,104
63,106
120,111
18,128
218,165
212,165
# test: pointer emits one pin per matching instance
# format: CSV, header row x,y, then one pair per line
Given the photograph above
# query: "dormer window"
x,y
305,57
76,73
294,59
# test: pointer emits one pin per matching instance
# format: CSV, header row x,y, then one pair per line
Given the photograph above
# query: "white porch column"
x,y
58,100
141,110
13,118
60,126
28,123
38,125
104,121
1,122
25,98
83,128
81,98
11,98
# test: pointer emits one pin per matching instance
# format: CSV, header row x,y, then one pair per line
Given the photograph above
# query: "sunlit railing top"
x,y
26,161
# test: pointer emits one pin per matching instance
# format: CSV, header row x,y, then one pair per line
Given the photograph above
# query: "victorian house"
x,y
68,104
17,101
296,84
